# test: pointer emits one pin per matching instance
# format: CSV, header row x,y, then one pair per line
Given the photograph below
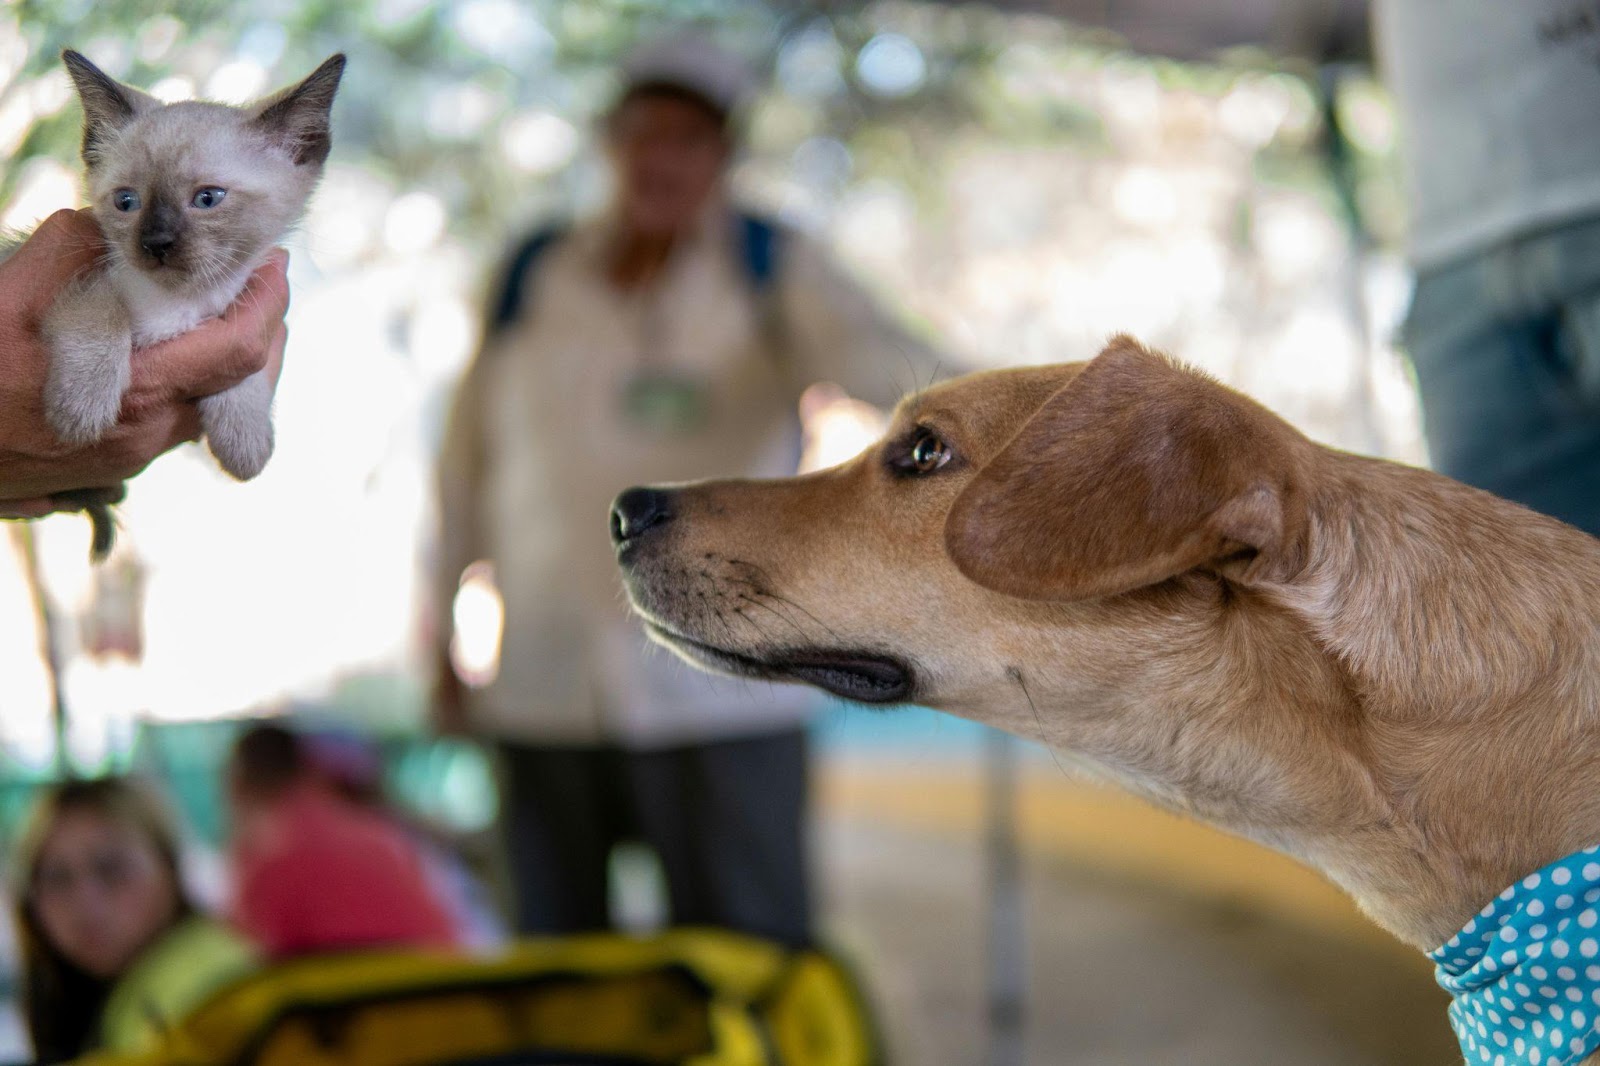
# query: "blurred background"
x,y
1020,180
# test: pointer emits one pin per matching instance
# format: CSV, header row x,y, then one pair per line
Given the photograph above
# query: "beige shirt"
x,y
540,443
1500,111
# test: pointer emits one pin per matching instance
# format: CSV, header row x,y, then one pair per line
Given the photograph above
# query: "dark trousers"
x,y
1506,344
727,820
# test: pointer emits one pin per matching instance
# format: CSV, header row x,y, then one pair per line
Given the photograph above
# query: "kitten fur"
x,y
175,257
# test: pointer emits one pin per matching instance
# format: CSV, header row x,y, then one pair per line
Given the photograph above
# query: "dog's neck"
x,y
1473,663
1424,716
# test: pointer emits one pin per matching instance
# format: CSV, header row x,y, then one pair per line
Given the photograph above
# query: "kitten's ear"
x,y
108,105
298,117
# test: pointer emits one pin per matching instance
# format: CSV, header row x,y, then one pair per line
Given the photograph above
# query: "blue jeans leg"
x,y
1511,397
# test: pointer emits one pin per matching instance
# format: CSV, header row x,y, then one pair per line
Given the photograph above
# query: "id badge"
x,y
666,402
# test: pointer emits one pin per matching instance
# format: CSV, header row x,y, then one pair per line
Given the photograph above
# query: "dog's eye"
x,y
928,453
210,196
125,200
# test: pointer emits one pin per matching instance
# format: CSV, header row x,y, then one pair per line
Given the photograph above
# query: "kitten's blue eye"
x,y
210,196
125,200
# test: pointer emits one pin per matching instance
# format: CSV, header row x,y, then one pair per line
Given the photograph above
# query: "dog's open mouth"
x,y
859,676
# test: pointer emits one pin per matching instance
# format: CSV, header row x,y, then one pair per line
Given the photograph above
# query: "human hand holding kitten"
x,y
38,473
190,198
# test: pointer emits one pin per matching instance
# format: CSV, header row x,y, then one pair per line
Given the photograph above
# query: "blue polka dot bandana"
x,y
1525,972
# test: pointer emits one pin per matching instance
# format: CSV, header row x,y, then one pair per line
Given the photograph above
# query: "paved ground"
x,y
1125,971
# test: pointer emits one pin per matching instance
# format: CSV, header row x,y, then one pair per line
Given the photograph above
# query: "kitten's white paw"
x,y
79,412
91,348
238,426
242,449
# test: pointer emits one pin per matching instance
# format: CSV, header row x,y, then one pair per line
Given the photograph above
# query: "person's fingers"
x,y
157,432
266,294
65,244
37,507
274,367
185,427
264,301
71,500
224,351
105,496
179,423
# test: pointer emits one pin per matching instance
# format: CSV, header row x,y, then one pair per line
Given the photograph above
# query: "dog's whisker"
x,y
766,590
1015,674
749,619
782,618
759,591
825,626
765,596
722,621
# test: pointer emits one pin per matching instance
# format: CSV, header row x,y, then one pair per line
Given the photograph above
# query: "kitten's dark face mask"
x,y
185,226
175,227
175,216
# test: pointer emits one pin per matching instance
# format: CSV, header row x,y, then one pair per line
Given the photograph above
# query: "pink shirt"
x,y
316,873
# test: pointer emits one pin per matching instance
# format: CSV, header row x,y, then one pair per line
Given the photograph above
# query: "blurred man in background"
x,y
1501,106
669,339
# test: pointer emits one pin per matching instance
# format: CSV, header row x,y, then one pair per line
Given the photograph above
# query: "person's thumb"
x,y
65,244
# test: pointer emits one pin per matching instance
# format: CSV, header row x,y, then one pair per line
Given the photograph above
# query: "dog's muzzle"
x,y
711,612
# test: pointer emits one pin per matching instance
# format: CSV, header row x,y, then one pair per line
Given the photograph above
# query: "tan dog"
x,y
1390,675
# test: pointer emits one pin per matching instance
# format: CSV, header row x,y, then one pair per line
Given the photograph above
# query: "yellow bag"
x,y
685,998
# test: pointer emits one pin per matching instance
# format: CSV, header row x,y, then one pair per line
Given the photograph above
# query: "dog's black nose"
x,y
636,511
157,243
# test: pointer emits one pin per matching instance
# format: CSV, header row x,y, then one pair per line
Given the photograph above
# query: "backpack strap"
x,y
508,301
760,253
759,242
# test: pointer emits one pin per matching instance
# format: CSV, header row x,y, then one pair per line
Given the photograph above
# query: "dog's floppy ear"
x,y
1135,471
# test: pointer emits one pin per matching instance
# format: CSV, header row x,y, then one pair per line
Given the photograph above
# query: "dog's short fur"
x,y
1390,675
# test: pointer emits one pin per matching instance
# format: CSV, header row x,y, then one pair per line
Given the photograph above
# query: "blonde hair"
x,y
61,1002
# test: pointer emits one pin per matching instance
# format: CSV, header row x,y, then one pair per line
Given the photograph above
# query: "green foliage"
x,y
433,84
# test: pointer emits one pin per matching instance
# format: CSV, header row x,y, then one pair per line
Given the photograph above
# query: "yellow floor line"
x,y
1105,830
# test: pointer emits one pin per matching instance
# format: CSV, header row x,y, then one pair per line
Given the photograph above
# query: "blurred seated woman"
x,y
314,872
113,950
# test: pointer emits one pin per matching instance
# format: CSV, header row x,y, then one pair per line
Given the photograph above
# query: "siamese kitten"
x,y
190,197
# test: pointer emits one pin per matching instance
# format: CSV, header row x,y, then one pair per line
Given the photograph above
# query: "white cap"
x,y
691,60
